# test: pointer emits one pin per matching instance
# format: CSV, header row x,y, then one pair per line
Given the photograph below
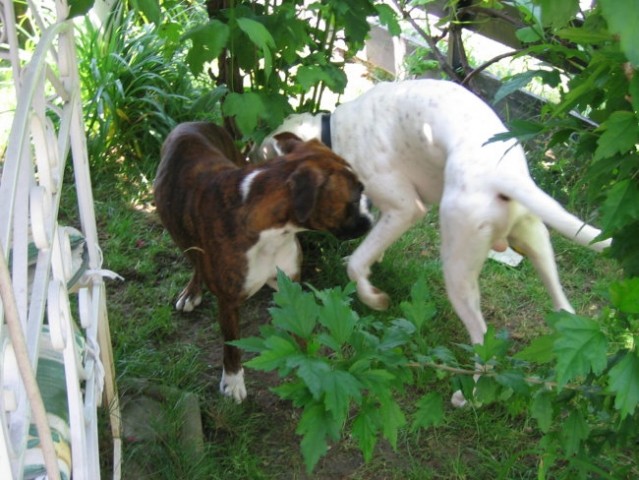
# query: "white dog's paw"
x,y
458,400
187,303
232,385
372,296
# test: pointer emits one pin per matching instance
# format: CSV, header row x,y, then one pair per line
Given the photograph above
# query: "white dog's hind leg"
x,y
464,249
391,225
530,237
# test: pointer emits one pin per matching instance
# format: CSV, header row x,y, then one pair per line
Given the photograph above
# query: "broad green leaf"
x,y
620,134
365,431
540,350
150,9
399,333
486,389
558,13
276,356
250,344
584,36
336,314
392,419
514,380
514,83
316,426
621,18
246,108
79,7
420,308
624,383
541,410
208,42
388,17
312,371
340,389
430,411
261,37
621,206
495,345
297,312
574,430
580,347
528,35
309,75
625,295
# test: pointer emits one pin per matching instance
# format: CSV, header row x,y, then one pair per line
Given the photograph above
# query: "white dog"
x,y
421,142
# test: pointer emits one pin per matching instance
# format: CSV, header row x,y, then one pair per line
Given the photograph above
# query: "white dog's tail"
x,y
526,192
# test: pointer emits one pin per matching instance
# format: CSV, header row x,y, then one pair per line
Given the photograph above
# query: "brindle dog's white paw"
x,y
186,302
458,400
232,385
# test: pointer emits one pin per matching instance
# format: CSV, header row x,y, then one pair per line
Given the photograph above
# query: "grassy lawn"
x,y
181,352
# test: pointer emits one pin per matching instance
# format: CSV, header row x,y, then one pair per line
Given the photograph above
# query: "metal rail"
x,y
47,129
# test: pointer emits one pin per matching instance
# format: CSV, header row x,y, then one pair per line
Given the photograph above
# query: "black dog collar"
x,y
326,129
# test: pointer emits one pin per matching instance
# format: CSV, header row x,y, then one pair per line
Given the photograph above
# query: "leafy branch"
x,y
350,374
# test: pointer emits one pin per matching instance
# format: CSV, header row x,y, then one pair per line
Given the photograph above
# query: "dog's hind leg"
x,y
464,248
191,296
530,237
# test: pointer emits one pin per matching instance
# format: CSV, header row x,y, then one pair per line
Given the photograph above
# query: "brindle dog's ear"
x,y
305,183
286,142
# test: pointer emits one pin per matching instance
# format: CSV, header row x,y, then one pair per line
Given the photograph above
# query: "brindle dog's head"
x,y
326,193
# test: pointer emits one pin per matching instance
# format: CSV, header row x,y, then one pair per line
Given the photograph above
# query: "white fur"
x,y
426,142
232,385
247,183
276,248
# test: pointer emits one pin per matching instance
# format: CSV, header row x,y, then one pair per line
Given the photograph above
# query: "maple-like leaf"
x,y
620,134
624,383
580,347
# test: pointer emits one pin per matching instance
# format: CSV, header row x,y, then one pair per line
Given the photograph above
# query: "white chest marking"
x,y
277,247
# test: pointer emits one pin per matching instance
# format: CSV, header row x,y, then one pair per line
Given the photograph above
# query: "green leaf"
x,y
624,383
261,37
250,344
420,308
392,419
558,13
246,108
528,35
621,206
79,7
277,355
297,312
430,411
365,431
514,84
514,380
541,410
486,389
312,371
495,345
580,347
336,314
309,75
625,24
399,333
150,9
340,389
208,42
625,295
388,17
620,134
574,430
316,426
540,350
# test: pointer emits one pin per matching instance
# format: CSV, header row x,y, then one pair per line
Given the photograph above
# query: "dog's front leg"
x,y
391,225
232,383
